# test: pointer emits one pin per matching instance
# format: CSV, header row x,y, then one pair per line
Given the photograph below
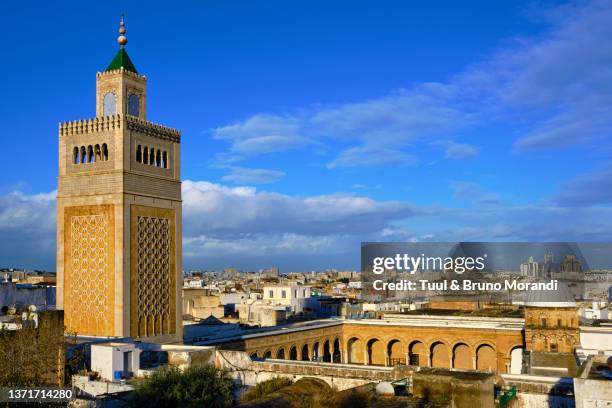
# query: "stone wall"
x,y
341,376
461,389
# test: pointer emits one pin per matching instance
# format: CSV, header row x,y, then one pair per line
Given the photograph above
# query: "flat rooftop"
x,y
510,312
401,320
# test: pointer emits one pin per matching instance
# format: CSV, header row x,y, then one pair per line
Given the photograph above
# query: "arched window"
x,y
104,152
83,154
158,158
98,153
165,160
110,105
75,155
134,105
90,155
146,155
139,154
152,157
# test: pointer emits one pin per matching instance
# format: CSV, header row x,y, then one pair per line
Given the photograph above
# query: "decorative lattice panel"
x,y
154,276
88,280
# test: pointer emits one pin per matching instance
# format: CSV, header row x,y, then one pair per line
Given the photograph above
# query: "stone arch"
x,y
395,351
293,354
254,356
305,354
158,159
75,155
97,153
267,354
337,355
316,351
133,105
417,353
83,154
110,104
139,154
104,152
354,351
165,160
280,354
376,352
516,360
486,358
145,155
462,357
439,355
327,352
152,156
90,154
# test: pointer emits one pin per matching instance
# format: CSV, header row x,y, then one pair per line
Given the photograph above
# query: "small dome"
x,y
562,297
385,388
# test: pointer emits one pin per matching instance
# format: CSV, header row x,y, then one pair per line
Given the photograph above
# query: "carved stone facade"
x,y
153,300
552,329
89,277
119,218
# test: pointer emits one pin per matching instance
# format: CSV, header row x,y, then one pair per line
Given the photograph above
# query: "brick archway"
x,y
439,355
462,357
293,353
395,352
355,351
376,352
305,354
486,358
417,354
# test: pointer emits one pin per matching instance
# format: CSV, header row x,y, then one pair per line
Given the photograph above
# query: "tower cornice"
x,y
120,70
93,125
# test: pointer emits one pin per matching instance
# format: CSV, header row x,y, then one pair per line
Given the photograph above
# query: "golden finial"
x,y
122,39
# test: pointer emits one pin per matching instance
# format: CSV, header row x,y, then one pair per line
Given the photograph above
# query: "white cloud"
x,y
31,212
252,176
263,133
260,245
27,229
383,126
241,225
592,188
457,151
556,87
368,156
472,192
215,209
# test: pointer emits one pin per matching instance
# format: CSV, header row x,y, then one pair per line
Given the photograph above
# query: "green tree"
x,y
197,386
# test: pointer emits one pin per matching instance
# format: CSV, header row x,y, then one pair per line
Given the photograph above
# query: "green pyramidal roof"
x,y
122,60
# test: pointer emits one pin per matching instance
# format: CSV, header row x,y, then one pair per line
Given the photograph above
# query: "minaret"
x,y
119,214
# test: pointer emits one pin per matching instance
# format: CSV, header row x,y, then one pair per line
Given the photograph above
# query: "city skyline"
x,y
301,140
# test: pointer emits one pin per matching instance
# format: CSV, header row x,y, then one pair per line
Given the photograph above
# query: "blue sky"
x,y
309,127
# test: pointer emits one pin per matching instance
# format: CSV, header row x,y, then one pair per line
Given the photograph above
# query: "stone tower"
x,y
119,214
551,320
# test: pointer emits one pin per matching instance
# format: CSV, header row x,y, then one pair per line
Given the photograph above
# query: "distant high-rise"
x,y
530,268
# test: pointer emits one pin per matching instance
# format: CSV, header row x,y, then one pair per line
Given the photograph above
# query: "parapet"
x,y
105,123
120,71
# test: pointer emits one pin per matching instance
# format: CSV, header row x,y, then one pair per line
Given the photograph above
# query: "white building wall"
x,y
107,358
